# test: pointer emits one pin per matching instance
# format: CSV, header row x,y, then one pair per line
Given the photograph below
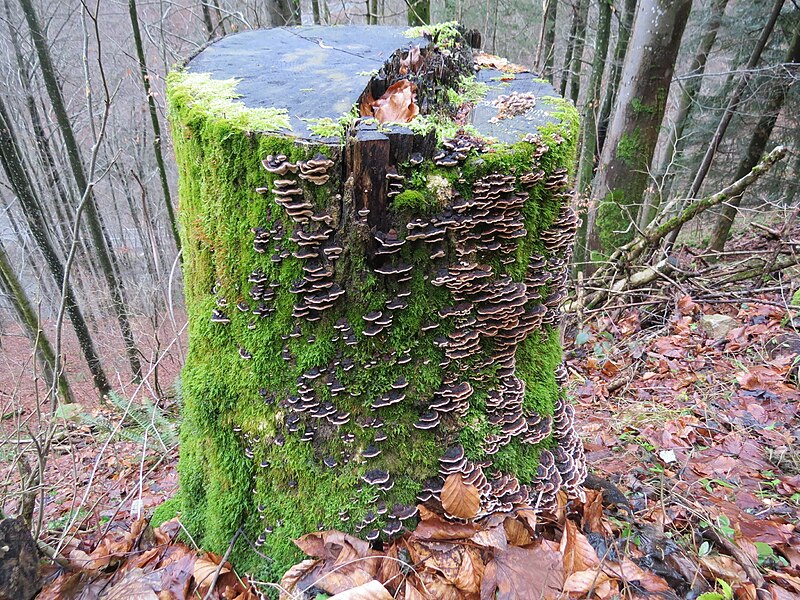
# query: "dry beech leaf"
x,y
583,582
593,511
723,567
492,537
204,570
398,103
295,574
516,533
372,590
436,528
136,585
536,573
579,555
460,499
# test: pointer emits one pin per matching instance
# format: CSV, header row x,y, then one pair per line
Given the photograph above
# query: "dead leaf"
x,y
516,533
723,567
398,103
536,573
291,578
593,511
459,499
493,537
584,582
578,553
436,528
372,590
204,569
136,585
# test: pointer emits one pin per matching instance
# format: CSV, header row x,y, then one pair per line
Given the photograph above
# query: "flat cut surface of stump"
x,y
320,72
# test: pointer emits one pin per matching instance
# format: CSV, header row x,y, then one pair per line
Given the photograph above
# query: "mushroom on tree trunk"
x,y
376,228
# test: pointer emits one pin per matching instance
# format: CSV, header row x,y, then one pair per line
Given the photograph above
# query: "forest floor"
x,y
689,416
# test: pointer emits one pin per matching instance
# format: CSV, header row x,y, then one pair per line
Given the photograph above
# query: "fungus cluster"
x,y
470,245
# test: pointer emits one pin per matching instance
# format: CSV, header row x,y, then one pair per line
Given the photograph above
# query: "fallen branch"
x,y
623,260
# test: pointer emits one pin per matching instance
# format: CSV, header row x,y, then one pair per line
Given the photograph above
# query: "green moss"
x,y
445,35
216,99
640,108
326,127
169,509
630,149
613,222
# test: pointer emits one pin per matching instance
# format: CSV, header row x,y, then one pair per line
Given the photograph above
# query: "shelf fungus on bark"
x,y
391,297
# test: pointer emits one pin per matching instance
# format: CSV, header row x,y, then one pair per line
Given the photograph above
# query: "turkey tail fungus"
x,y
376,229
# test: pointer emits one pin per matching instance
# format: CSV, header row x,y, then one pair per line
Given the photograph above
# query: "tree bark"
x,y
12,165
101,245
388,266
29,319
577,52
545,55
622,172
620,50
755,149
588,143
569,49
686,102
151,104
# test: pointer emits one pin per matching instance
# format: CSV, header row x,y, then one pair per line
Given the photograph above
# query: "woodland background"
x,y
87,190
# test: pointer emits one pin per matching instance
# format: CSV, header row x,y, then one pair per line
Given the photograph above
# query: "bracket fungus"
x,y
373,316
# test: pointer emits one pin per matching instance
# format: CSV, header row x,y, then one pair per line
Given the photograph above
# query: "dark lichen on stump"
x,y
372,306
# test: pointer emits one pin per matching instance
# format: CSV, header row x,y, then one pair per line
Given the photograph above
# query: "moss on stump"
x,y
371,305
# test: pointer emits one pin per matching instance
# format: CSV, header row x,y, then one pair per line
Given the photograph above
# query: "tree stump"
x,y
19,561
373,303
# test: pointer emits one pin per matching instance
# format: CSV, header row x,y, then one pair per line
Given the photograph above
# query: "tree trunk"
x,y
735,99
280,13
620,50
622,172
686,101
101,246
419,12
577,52
573,31
547,40
315,12
401,283
207,18
29,319
151,103
588,143
20,183
756,147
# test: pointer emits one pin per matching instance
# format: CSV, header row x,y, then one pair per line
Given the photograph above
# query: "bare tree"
x,y
622,173
151,103
757,145
21,184
100,243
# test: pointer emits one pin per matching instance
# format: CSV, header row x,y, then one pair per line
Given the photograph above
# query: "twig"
x,y
221,564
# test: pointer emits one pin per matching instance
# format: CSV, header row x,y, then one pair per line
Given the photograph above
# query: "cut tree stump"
x,y
19,561
373,306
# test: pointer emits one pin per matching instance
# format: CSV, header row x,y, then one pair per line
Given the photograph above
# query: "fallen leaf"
x,y
578,553
204,569
136,585
459,499
372,590
723,567
583,582
299,571
536,573
398,103
516,533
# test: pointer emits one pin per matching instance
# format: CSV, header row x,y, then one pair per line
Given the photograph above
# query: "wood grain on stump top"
x,y
320,72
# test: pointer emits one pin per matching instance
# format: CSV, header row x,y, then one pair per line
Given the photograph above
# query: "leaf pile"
x,y
504,557
144,564
700,428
